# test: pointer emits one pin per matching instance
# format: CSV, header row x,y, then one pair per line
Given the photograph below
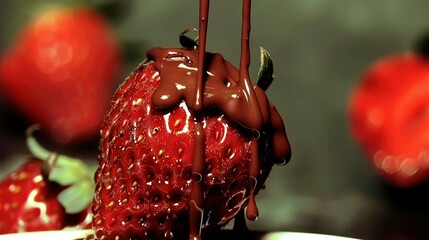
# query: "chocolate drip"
x,y
252,212
253,107
196,203
244,78
199,139
202,35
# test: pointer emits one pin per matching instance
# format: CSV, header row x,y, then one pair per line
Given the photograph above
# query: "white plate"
x,y
67,234
73,234
301,236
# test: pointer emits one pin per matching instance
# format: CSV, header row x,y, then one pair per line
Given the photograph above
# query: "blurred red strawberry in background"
x,y
61,72
389,116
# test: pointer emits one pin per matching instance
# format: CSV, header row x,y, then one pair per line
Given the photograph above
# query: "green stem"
x,y
66,171
35,148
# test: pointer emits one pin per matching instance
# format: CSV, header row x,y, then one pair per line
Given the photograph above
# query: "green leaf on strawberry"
x,y
77,197
266,70
49,191
68,172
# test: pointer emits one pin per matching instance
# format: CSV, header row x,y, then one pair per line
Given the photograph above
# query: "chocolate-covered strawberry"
x,y
148,181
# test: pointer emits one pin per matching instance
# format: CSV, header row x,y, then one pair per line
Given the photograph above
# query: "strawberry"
x,y
388,117
146,179
48,192
61,71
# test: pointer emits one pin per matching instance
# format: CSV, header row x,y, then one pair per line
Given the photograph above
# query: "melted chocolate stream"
x,y
244,79
202,35
196,208
253,106
196,203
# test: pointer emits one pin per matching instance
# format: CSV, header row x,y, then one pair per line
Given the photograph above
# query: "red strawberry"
x,y
61,72
48,194
388,113
145,177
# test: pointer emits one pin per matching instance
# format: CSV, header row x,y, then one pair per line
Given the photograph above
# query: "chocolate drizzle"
x,y
253,108
196,210
204,18
199,139
206,80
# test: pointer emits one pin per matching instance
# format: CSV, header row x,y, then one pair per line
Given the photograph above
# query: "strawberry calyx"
x,y
266,70
66,171
186,41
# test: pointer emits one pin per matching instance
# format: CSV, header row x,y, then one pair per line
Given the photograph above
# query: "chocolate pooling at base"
x,y
206,80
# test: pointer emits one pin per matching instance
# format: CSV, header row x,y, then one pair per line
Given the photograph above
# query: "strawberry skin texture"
x,y
61,72
388,113
145,170
29,203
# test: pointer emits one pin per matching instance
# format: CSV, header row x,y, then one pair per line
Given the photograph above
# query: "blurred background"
x,y
320,49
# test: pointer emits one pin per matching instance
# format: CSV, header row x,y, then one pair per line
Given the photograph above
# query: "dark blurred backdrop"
x,y
320,49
